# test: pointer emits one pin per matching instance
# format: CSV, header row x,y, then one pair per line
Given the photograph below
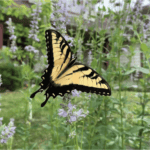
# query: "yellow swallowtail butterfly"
x,y
64,74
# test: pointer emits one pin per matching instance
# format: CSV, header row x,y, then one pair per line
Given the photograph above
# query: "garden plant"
x,y
79,120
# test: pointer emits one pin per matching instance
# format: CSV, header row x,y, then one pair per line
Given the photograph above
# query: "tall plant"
x,y
6,132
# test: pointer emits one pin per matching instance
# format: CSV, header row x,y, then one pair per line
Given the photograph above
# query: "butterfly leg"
x,y
33,94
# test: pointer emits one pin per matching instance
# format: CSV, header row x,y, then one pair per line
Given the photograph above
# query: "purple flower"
x,y
60,9
89,96
72,119
30,48
34,23
71,113
8,131
11,28
71,107
79,113
3,141
13,48
12,37
62,113
52,16
1,121
75,93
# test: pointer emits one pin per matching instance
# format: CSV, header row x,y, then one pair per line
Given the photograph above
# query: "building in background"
x,y
75,10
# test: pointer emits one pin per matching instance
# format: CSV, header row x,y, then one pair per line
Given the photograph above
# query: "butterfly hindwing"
x,y
85,79
80,77
64,74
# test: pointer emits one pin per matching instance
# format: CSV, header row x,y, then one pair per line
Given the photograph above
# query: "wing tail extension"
x,y
33,94
47,97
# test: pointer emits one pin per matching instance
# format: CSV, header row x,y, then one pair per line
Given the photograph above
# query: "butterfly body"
x,y
64,74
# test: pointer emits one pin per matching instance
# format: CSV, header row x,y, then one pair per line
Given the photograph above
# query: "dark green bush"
x,y
11,76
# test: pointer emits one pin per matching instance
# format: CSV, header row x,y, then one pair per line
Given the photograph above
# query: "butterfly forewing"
x,y
59,53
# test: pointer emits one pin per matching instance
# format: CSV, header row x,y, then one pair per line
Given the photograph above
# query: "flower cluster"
x,y
6,131
137,18
69,39
133,18
34,27
11,28
30,48
59,15
75,93
60,18
71,113
34,23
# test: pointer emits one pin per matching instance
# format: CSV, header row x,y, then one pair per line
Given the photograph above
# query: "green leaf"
x,y
1,17
94,63
135,129
92,16
104,9
146,120
33,145
24,138
110,143
143,70
46,126
2,127
46,0
16,13
146,131
68,140
144,47
19,40
131,142
129,71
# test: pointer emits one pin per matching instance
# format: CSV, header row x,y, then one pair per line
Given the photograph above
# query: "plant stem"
x,y
120,99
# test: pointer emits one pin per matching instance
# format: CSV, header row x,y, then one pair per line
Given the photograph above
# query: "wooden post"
x,y
1,35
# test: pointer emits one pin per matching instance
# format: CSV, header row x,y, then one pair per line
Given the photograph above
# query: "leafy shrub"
x,y
12,78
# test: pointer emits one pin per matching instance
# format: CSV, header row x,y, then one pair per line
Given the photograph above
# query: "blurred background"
x,y
112,37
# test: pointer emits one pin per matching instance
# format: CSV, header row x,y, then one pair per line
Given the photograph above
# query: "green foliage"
x,y
113,122
12,78
14,10
21,32
5,55
28,74
4,7
94,126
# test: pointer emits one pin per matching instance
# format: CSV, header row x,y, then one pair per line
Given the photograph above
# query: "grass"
x,y
14,105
